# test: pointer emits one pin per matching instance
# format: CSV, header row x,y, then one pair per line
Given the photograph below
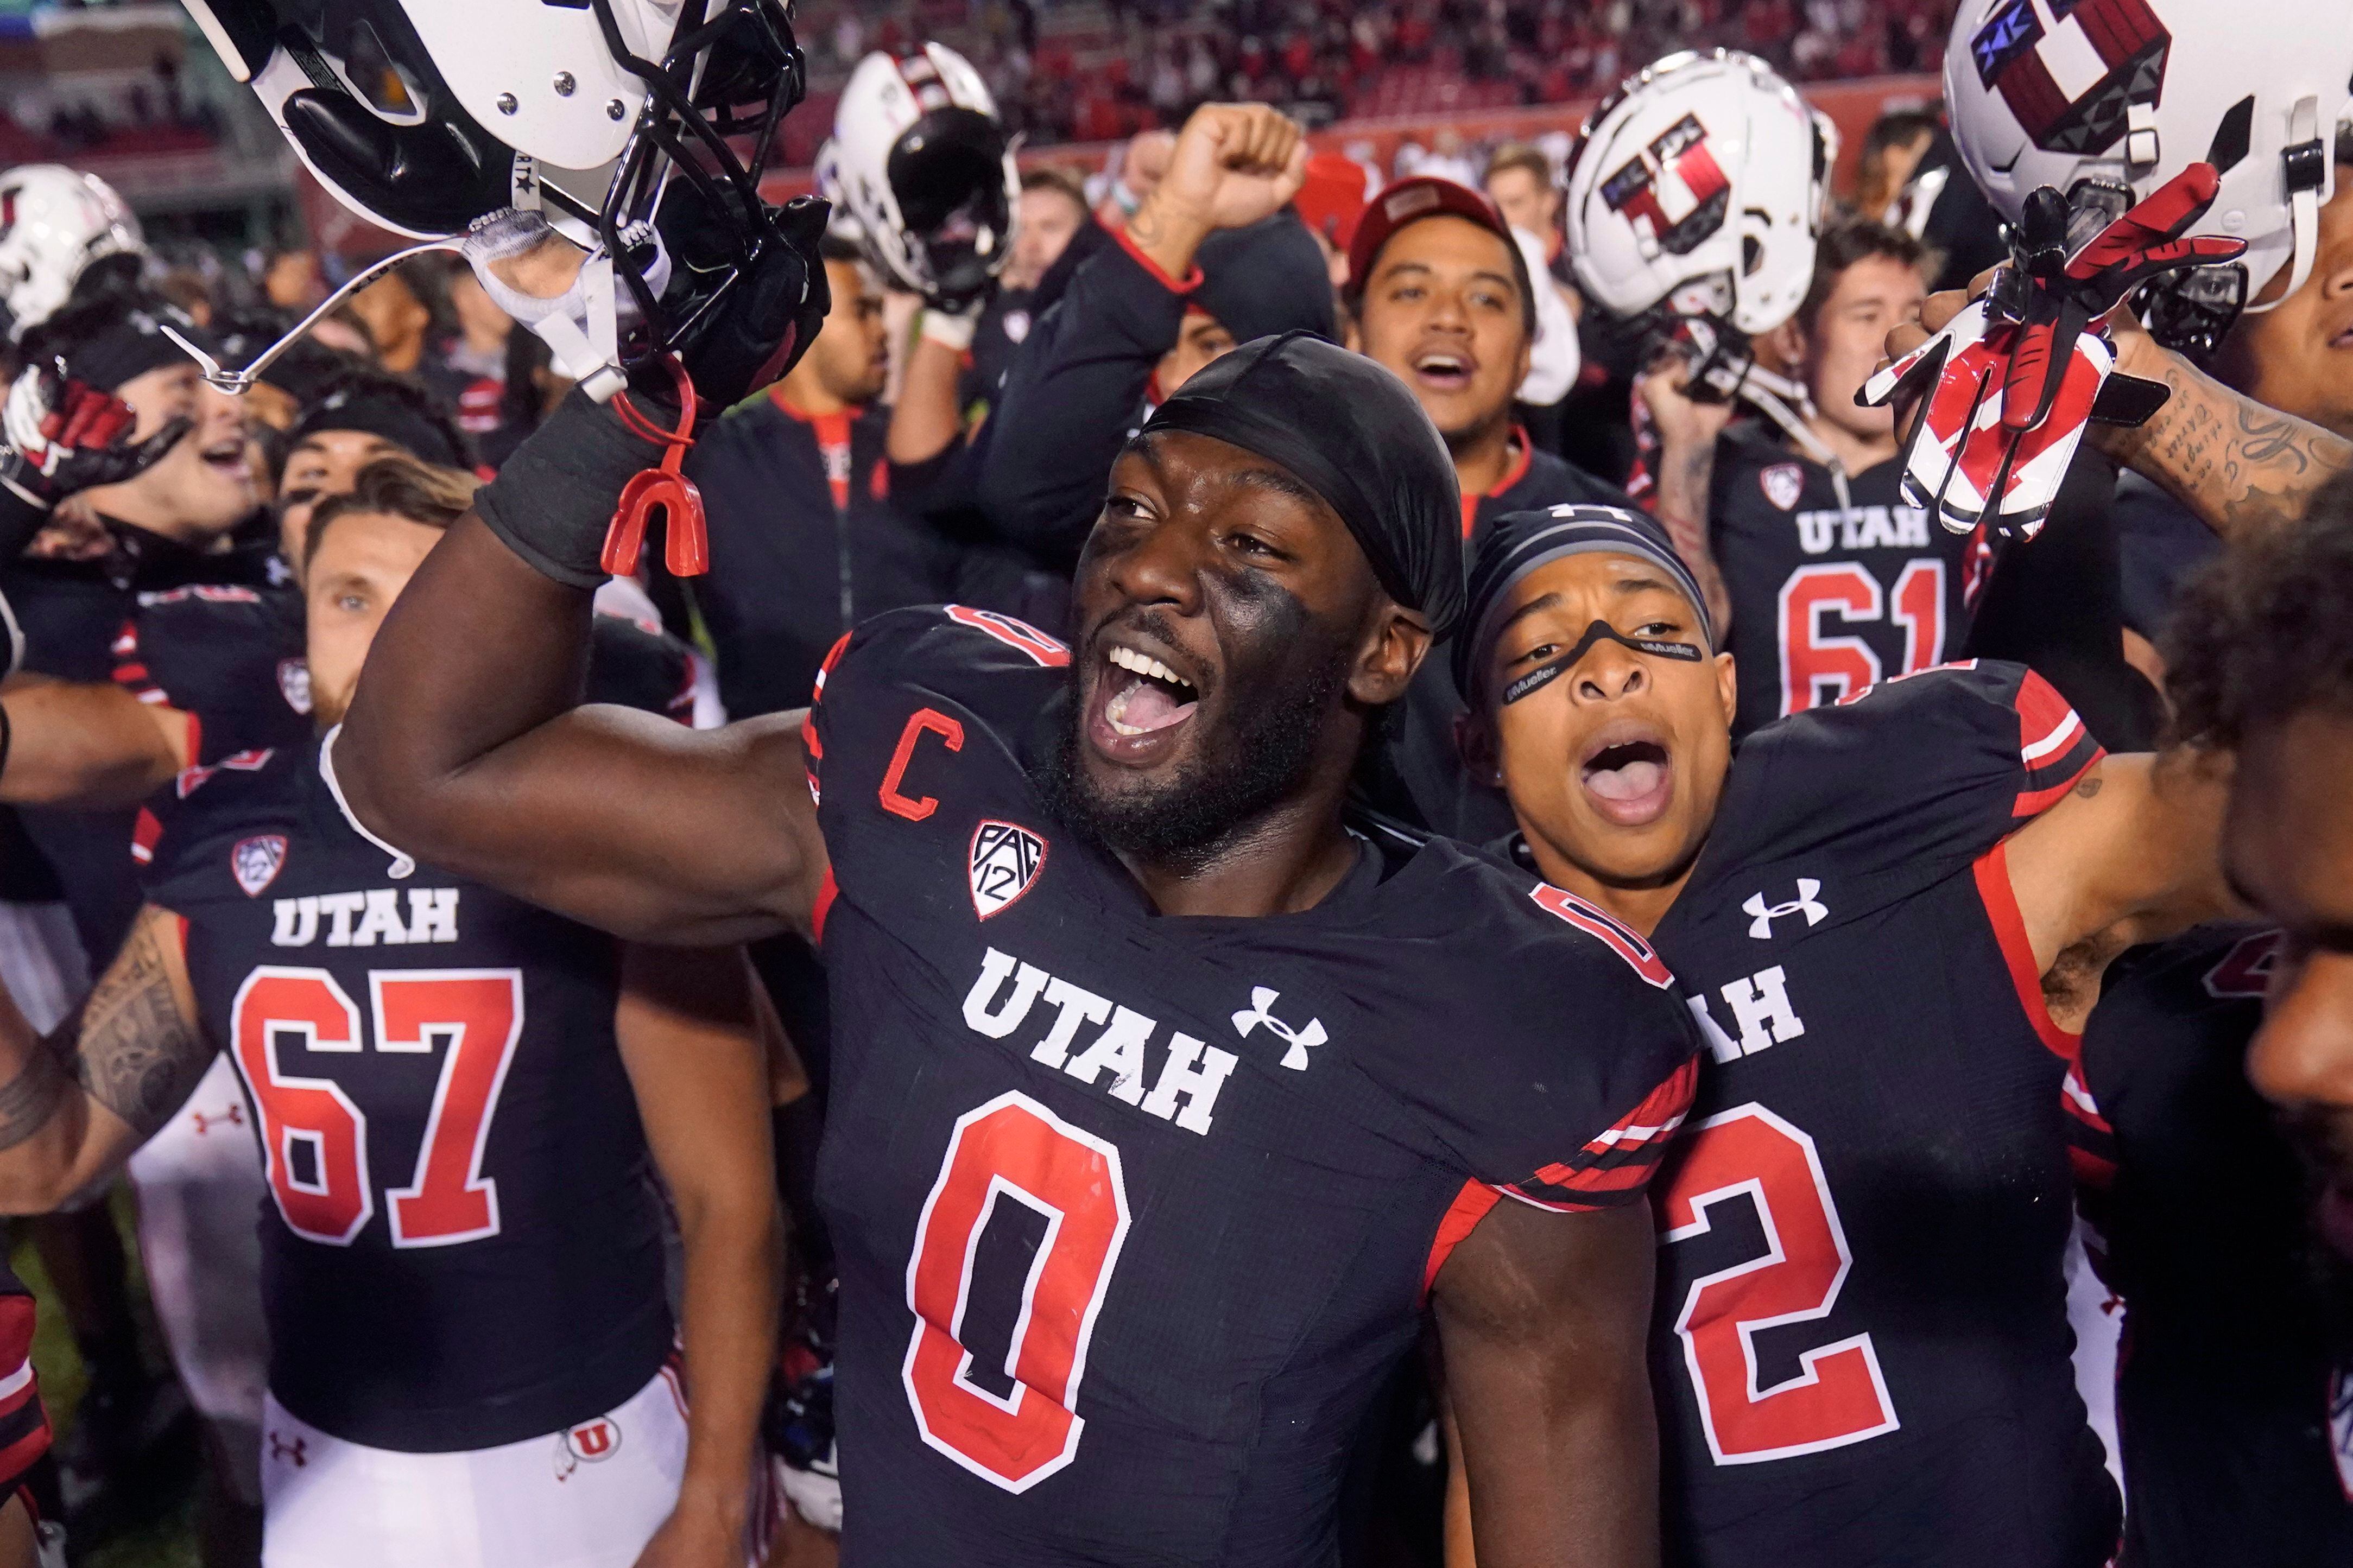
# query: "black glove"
x,y
60,436
743,326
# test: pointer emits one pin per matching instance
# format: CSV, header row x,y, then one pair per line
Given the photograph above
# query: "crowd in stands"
x,y
1095,73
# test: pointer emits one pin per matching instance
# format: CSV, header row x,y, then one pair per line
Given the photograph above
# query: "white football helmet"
x,y
2104,100
613,118
1696,190
54,223
920,160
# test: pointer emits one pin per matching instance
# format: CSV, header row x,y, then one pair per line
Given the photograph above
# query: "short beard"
x,y
1186,823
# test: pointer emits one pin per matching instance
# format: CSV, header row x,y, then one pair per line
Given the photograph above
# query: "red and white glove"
x,y
60,436
2009,384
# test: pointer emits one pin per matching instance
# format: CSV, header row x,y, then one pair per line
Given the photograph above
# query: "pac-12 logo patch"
x,y
1782,483
294,683
1006,858
255,862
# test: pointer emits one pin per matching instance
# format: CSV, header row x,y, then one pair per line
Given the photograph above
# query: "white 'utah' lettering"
x,y
1760,1009
432,916
1863,527
1117,1059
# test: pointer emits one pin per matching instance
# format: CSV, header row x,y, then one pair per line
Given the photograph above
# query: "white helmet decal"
x,y
1673,192
1697,189
2104,100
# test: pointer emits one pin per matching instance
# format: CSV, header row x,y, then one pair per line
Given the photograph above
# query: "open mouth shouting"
x,y
1444,370
1139,707
1628,773
225,457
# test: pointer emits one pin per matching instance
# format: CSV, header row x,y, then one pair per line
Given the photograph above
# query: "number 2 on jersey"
x,y
1838,1396
1013,1149
475,1015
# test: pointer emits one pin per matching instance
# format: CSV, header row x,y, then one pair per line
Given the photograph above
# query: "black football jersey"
x,y
227,655
231,658
24,1425
1826,601
1136,1213
1862,1349
71,613
2237,1422
463,1243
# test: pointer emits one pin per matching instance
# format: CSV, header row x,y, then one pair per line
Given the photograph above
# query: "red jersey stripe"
x,y
1461,1217
1192,278
1992,870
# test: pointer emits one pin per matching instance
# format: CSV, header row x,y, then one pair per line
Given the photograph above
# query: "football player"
x,y
1120,1007
173,487
2260,665
1694,203
1831,582
24,1436
1888,913
2270,108
2231,1400
203,673
452,1180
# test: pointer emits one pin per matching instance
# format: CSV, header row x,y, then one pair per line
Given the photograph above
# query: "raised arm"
x,y
76,1105
87,744
1544,1320
926,420
1688,430
2130,856
1081,374
2233,461
692,1040
464,746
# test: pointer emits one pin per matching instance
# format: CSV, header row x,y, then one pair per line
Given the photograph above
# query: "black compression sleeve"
x,y
552,500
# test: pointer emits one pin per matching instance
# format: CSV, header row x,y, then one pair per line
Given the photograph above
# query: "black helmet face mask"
x,y
947,174
641,139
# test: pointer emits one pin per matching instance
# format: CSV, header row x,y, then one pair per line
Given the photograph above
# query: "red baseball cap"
x,y
1410,201
1426,196
1333,199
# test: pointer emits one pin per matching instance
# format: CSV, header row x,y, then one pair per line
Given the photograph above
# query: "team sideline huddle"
x,y
1587,872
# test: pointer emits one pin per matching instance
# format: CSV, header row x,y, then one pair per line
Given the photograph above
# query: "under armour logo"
x,y
1762,915
1301,1041
291,1452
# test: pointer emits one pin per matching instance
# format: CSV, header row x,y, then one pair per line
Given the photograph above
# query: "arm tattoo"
x,y
29,1100
139,1058
2240,466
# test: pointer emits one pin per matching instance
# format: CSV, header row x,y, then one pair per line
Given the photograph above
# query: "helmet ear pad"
x,y
433,177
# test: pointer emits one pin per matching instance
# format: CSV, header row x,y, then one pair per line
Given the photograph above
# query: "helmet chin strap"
x,y
1789,404
581,326
2306,170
